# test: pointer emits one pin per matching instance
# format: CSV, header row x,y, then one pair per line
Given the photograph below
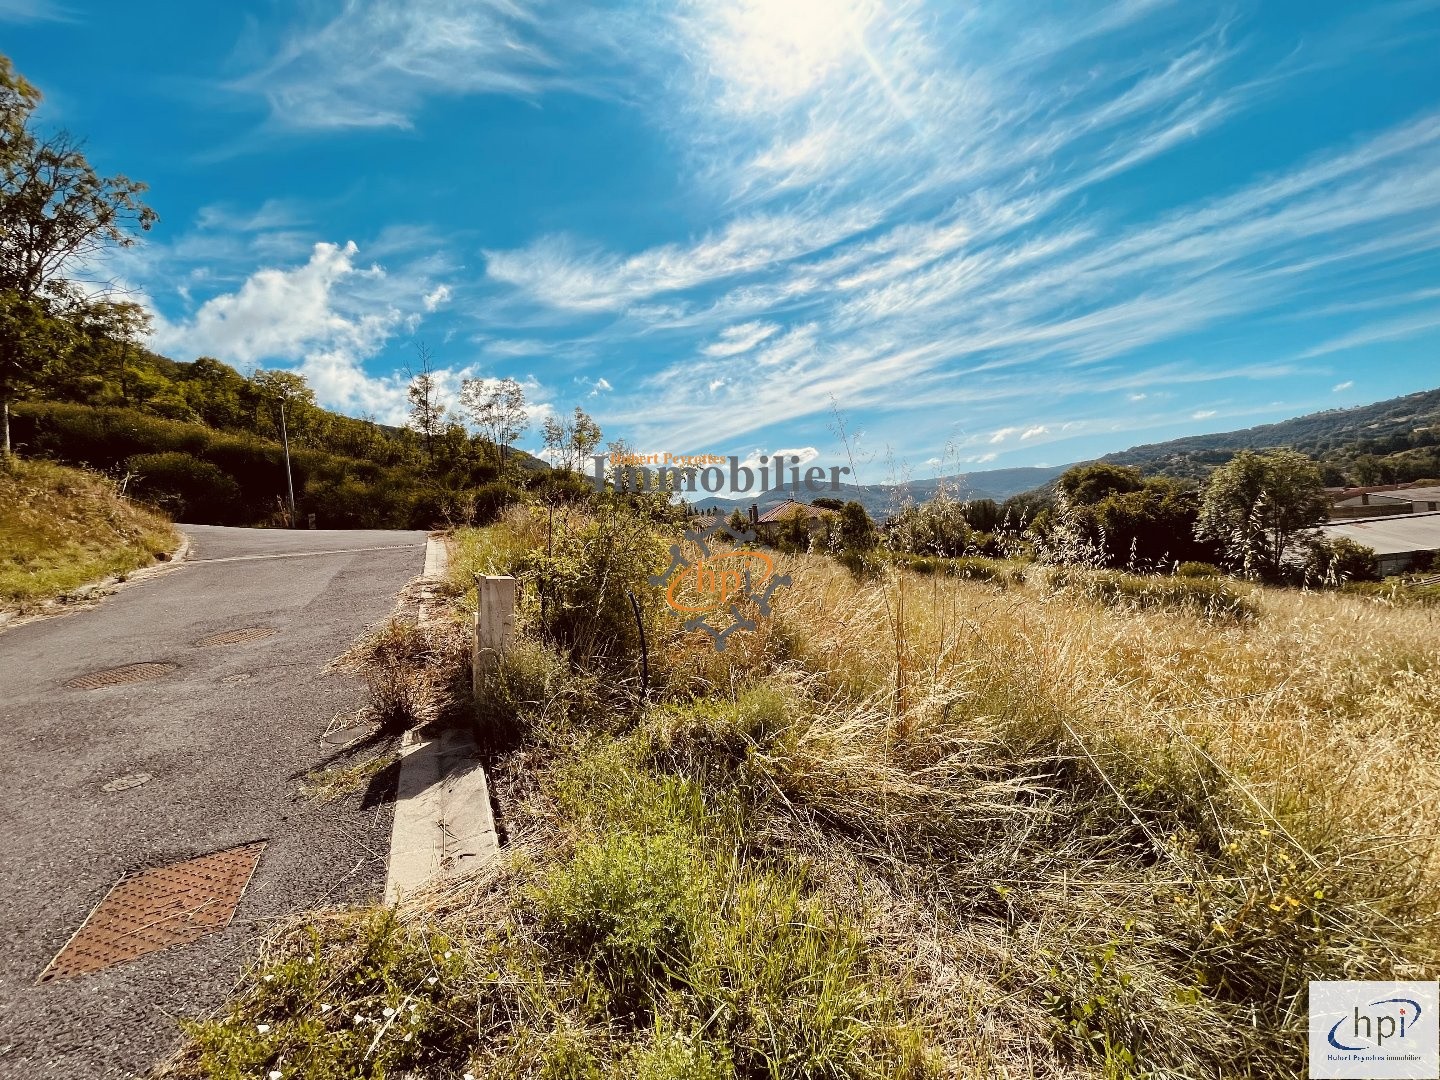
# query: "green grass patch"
x,y
61,528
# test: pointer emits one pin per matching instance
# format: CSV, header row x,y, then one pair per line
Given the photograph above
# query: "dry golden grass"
x,y
1327,705
1063,839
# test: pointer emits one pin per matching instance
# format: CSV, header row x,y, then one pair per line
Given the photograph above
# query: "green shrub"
x,y
185,487
1198,570
1335,561
492,498
581,591
629,905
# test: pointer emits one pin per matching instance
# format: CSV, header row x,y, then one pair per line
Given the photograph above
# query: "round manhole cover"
x,y
237,637
120,676
125,783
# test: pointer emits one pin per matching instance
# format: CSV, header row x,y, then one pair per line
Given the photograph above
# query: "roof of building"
x,y
1391,535
1415,491
790,507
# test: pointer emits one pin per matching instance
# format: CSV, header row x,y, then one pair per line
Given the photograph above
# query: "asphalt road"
x,y
223,737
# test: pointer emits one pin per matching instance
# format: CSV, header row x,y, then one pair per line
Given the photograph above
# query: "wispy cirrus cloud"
x,y
932,172
374,63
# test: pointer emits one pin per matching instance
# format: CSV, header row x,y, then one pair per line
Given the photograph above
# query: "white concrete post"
x,y
494,626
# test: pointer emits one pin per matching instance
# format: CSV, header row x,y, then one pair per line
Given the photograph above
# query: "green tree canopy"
x,y
1256,505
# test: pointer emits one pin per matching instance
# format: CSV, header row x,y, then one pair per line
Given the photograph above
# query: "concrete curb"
x,y
444,825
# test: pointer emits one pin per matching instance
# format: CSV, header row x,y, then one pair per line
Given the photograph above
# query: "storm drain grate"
x,y
155,909
120,676
237,637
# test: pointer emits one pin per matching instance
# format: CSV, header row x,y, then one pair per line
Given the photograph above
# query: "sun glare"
x,y
772,51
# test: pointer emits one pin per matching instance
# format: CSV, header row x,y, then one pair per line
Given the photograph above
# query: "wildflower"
x,y
262,1028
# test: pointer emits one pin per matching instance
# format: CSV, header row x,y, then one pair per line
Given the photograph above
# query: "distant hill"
x,y
1393,440
1397,427
884,500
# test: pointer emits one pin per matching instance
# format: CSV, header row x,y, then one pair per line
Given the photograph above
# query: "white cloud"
x,y
375,62
323,318
1202,414
1346,385
1003,434
600,386
734,340
558,272
1034,432
804,454
436,296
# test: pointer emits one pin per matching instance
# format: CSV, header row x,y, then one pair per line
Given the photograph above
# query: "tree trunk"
x,y
5,408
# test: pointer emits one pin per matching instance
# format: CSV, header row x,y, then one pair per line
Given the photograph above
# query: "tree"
x,y
427,414
497,409
56,215
1256,505
1114,516
1086,485
857,531
115,328
571,441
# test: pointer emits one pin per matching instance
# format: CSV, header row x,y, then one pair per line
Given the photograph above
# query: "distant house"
x,y
1401,542
1383,500
768,525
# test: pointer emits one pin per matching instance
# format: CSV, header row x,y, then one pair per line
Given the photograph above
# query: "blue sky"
x,y
986,234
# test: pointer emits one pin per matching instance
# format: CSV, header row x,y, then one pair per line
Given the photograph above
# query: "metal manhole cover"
x,y
120,676
155,909
237,637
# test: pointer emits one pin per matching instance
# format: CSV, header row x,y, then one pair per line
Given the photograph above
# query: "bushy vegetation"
x,y
210,476
1095,824
1199,595
62,528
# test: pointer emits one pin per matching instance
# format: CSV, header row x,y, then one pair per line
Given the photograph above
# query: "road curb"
x,y
444,825
84,597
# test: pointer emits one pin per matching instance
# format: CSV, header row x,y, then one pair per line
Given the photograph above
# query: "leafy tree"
x,y
274,388
427,414
857,531
497,409
571,441
1087,485
1256,505
827,502
115,329
56,215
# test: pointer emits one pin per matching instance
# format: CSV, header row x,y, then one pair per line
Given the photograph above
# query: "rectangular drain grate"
x,y
120,676
155,909
237,637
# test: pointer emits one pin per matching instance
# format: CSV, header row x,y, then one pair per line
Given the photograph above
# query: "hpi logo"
x,y
713,588
1374,1030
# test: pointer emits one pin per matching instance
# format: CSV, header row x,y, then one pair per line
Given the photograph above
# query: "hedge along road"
x,y
223,738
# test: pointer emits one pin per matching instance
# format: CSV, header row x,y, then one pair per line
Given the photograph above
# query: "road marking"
x,y
305,554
